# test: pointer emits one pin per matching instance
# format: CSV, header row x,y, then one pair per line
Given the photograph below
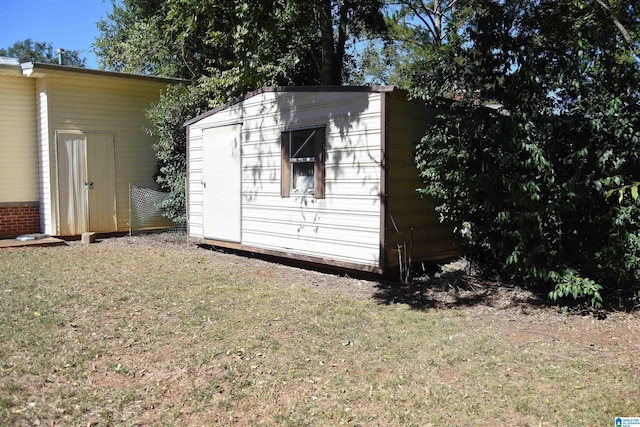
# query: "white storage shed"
x,y
317,174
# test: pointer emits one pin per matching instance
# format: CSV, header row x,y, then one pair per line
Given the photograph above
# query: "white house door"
x,y
222,183
101,176
86,183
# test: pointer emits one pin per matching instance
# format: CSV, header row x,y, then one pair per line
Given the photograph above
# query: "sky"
x,y
67,24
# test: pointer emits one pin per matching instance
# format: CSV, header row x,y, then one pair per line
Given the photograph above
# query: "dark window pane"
x,y
302,143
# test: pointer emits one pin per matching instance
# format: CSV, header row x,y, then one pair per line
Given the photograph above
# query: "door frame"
x,y
222,182
83,214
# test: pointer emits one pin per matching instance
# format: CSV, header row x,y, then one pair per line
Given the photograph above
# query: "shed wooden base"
x,y
389,272
316,262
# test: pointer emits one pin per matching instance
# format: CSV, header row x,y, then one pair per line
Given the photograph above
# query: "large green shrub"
x,y
177,105
528,176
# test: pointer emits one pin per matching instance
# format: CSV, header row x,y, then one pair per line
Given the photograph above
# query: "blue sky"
x,y
68,24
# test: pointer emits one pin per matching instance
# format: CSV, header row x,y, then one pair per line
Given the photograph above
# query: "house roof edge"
x,y
39,69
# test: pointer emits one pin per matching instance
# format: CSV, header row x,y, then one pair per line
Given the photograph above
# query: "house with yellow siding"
x,y
71,141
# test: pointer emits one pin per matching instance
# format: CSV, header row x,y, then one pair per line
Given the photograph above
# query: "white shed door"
x,y
221,183
86,183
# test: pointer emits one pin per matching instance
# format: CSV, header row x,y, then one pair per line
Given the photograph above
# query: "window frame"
x,y
319,142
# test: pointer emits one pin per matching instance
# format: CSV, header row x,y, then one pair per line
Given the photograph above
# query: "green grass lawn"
x,y
134,332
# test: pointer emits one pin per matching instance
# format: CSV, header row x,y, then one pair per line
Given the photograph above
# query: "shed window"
x,y
303,162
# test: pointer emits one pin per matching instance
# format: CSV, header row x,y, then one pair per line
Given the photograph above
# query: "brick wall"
x,y
19,218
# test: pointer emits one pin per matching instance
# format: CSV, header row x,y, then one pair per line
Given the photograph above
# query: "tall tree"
x,y
416,29
337,22
526,178
132,39
281,39
424,23
30,51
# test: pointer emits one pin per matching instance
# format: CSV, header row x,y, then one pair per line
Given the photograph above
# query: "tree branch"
x,y
621,28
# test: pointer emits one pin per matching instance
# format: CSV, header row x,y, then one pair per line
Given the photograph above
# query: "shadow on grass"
x,y
445,286
454,286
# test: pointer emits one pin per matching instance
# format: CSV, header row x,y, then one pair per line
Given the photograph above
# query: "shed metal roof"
x,y
375,88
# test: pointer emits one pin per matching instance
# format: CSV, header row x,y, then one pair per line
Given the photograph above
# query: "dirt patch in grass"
x,y
151,331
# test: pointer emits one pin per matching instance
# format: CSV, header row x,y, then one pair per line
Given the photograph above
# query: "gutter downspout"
x,y
27,68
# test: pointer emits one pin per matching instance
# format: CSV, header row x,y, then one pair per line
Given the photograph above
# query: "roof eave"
x,y
10,70
38,69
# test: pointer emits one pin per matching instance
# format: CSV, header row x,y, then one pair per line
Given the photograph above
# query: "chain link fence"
x,y
145,214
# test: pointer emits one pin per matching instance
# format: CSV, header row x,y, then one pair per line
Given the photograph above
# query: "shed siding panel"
x,y
194,184
18,147
344,226
414,217
110,106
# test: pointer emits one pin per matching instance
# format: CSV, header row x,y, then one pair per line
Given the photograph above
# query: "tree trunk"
x,y
343,19
329,62
327,52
